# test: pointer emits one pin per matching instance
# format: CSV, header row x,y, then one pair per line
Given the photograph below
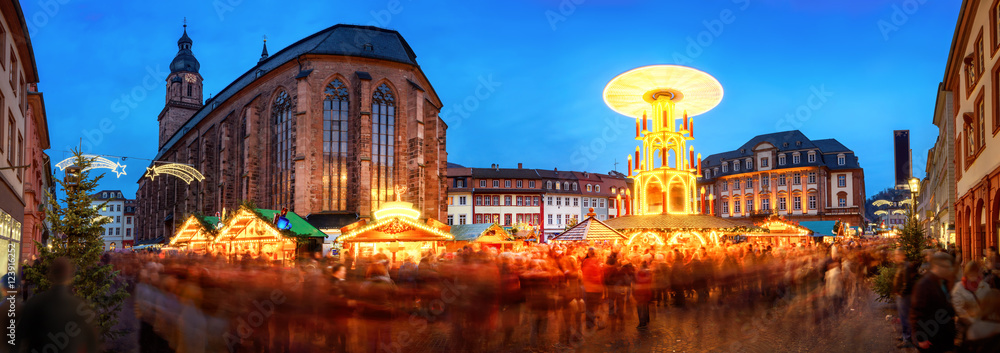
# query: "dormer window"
x,y
575,186
612,189
725,167
812,157
597,188
749,163
590,188
781,159
796,158
736,166
841,159
743,150
798,143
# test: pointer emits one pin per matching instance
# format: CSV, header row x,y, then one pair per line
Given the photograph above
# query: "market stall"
x,y
395,228
781,232
271,234
195,234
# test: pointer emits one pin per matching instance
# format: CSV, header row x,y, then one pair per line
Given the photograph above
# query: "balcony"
x,y
842,211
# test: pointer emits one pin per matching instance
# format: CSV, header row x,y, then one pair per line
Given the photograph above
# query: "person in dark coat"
x,y
643,293
53,320
932,317
902,286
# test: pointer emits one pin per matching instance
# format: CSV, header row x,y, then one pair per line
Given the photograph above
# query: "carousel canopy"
x,y
481,232
674,221
590,229
820,228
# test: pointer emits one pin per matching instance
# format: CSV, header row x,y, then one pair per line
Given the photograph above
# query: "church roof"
x,y
342,39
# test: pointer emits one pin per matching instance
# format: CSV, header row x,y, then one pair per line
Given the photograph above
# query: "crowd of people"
x,y
946,305
480,298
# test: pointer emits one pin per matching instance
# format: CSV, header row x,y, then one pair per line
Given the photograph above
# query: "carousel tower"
x,y
662,99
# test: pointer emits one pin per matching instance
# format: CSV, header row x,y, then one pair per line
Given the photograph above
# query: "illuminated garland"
x,y
182,171
881,213
97,162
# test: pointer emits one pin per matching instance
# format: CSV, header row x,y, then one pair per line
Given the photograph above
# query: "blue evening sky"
x,y
521,80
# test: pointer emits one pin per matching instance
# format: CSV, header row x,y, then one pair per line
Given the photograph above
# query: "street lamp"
x,y
914,190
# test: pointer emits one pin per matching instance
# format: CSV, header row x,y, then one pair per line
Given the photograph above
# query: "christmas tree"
x,y
912,239
78,228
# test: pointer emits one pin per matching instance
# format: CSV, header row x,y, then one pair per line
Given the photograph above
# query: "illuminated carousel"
x,y
396,227
666,206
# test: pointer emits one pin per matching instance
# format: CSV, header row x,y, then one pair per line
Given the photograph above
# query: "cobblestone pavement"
x,y
788,327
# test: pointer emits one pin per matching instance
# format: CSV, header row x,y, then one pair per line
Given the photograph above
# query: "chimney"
x,y
519,166
556,170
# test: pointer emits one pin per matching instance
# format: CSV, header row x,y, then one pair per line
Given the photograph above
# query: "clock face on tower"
x,y
189,78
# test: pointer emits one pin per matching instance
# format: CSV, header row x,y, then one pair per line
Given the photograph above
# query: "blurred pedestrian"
x,y
902,287
984,334
965,296
52,321
643,293
932,316
593,286
377,310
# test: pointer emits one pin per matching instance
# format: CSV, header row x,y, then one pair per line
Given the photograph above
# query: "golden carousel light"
x,y
691,90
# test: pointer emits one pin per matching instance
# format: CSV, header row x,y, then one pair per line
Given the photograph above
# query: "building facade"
x,y
329,125
788,174
548,199
21,124
971,78
937,189
113,205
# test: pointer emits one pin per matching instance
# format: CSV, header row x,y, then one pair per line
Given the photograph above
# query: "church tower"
x,y
183,90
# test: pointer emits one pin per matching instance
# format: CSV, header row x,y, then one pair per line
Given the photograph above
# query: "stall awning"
x,y
820,228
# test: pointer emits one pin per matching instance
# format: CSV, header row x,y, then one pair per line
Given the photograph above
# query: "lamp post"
x,y
914,190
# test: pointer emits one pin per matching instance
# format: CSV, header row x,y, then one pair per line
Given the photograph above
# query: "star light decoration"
x,y
97,162
182,171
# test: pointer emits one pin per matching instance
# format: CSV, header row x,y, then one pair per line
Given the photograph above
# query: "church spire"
x,y
185,60
263,53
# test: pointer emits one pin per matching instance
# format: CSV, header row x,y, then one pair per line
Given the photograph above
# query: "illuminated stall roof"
x,y
481,232
781,226
261,222
395,221
196,228
590,229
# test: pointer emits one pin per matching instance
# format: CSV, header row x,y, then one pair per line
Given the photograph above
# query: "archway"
x,y
994,238
645,240
979,230
654,196
677,197
967,234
